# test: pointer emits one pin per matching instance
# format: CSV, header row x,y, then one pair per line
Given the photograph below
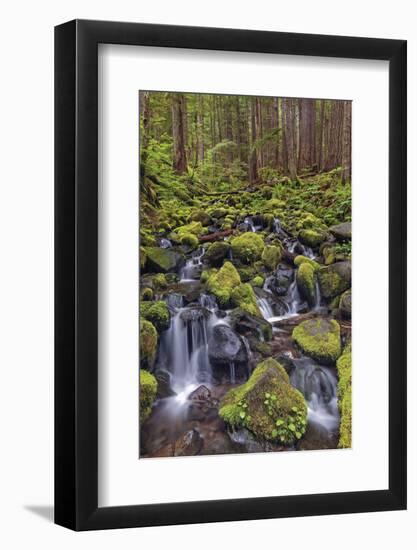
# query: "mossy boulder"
x,y
306,282
311,237
335,279
257,281
159,281
222,282
146,294
308,220
345,304
273,204
298,260
148,342
342,231
243,296
247,247
271,256
190,240
329,253
200,216
142,257
163,260
195,228
146,237
157,313
319,339
218,213
246,273
217,252
148,388
344,394
267,405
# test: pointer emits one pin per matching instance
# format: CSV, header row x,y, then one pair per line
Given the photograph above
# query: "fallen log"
x,y
215,236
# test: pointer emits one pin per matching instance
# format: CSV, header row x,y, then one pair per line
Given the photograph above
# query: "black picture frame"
x,y
76,271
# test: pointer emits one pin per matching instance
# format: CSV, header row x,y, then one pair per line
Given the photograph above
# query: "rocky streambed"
x,y
245,336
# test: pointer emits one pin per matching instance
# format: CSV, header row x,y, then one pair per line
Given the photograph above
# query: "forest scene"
x,y
245,274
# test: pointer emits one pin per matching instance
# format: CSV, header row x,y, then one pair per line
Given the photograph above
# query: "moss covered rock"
x,y
195,228
243,296
273,204
222,282
146,294
142,257
344,394
319,339
163,260
335,279
345,304
267,405
148,342
247,247
157,313
298,260
188,239
217,252
247,273
148,388
308,220
306,282
311,237
200,216
271,256
257,281
159,281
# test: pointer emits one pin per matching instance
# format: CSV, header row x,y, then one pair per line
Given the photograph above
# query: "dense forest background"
x,y
217,140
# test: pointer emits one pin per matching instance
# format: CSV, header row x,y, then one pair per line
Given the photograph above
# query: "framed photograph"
x,y
230,338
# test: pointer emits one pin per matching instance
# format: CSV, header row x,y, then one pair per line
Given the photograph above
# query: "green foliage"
x,y
248,247
319,339
257,281
267,405
148,387
222,282
194,228
157,313
243,296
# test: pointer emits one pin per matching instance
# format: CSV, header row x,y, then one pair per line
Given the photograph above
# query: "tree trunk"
x,y
200,129
179,133
289,116
346,142
253,168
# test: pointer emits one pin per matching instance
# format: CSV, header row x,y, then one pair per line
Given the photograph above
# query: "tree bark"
x,y
289,118
346,142
179,132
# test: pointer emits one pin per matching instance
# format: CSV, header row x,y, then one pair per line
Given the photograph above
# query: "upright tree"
x,y
288,107
178,107
346,141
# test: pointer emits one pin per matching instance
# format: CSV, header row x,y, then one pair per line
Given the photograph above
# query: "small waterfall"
x,y
174,301
319,386
208,301
293,298
249,224
193,266
317,295
265,307
232,372
165,243
307,251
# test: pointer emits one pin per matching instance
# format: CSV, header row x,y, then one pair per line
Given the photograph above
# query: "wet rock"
x,y
245,324
226,347
195,314
202,393
219,444
281,282
216,253
335,279
164,384
345,304
188,444
163,260
342,231
319,339
317,437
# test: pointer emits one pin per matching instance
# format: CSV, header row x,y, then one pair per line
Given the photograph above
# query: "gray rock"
x,y
342,231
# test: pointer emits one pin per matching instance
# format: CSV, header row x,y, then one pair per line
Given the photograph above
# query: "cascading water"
x,y
249,224
266,308
193,266
318,384
165,243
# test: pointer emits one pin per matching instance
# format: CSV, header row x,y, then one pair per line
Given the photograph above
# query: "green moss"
x,y
274,204
247,247
162,259
303,259
205,274
311,237
147,238
195,228
146,294
267,405
310,221
222,282
246,273
148,387
271,256
200,216
189,239
320,339
257,281
244,297
148,342
331,282
157,313
306,282
159,281
329,254
344,394
217,252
